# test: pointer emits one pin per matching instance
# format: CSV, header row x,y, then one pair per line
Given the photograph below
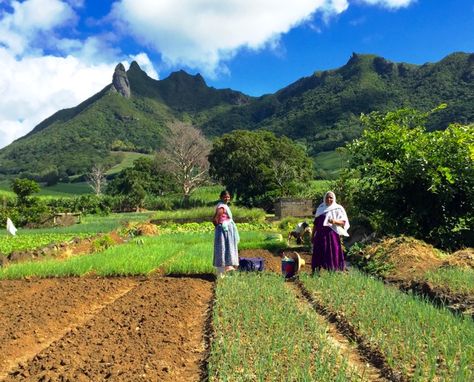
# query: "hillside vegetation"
x,y
320,111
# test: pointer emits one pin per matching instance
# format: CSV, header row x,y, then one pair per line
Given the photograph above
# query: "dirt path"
x,y
345,347
104,329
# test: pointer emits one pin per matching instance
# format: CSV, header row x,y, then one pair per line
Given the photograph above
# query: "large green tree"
x,y
258,166
416,182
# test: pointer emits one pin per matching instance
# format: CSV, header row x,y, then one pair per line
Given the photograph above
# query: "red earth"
x,y
152,328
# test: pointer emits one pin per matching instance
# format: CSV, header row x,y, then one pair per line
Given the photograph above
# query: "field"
x,y
148,308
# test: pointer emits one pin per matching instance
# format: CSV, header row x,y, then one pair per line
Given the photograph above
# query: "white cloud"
x,y
206,33
143,60
30,20
203,33
34,88
33,85
390,3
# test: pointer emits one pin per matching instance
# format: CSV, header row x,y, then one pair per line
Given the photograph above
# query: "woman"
x,y
226,237
330,222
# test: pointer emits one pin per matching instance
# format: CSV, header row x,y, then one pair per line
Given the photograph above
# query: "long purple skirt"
x,y
327,250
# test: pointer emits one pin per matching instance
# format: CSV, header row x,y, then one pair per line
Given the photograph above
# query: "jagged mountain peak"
x,y
184,78
120,82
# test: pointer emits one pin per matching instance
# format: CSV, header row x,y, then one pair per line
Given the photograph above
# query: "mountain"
x,y
321,110
130,114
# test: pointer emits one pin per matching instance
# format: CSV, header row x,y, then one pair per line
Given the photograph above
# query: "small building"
x,y
66,218
285,207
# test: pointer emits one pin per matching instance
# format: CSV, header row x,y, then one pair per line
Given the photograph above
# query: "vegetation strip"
x,y
339,338
416,339
178,253
260,334
370,353
457,304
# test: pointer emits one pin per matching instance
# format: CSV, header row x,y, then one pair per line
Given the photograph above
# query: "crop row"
x,y
175,253
454,279
9,244
262,335
420,341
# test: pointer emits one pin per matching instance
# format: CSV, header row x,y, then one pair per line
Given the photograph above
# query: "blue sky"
x,y
57,53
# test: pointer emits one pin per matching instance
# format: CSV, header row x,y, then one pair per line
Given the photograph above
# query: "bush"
x,y
413,182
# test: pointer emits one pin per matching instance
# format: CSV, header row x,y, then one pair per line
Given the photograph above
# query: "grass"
x,y
454,279
187,253
34,240
420,341
329,163
127,161
58,190
90,224
206,213
262,335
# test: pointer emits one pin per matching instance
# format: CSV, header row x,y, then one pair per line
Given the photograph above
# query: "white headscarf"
x,y
334,211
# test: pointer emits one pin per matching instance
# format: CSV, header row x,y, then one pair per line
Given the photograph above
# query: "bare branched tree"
x,y
283,173
184,156
96,179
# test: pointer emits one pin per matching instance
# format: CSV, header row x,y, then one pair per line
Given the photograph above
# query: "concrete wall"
x,y
293,207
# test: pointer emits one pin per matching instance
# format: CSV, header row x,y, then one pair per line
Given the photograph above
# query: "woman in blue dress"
x,y
226,237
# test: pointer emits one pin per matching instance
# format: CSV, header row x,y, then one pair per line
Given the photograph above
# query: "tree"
x,y
29,209
184,157
144,178
96,179
24,188
257,166
415,182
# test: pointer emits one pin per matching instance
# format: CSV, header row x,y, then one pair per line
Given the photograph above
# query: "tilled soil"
x,y
120,329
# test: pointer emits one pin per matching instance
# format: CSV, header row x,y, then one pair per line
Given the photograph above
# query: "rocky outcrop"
x,y
120,81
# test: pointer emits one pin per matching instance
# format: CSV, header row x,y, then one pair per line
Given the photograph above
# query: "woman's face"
x,y
329,199
225,198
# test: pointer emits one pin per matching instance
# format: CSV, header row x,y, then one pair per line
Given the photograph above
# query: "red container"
x,y
288,267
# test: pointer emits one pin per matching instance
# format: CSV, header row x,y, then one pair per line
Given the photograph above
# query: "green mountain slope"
x,y
321,110
72,140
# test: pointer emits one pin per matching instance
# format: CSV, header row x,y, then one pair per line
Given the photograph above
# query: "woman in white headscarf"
x,y
329,224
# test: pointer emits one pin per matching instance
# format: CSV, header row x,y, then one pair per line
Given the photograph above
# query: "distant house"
x,y
293,207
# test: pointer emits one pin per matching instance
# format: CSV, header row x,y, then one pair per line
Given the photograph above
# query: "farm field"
x,y
149,309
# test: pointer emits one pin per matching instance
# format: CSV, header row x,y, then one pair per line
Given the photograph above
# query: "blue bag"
x,y
251,264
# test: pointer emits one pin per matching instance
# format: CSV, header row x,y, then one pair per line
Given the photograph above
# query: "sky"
x,y
54,54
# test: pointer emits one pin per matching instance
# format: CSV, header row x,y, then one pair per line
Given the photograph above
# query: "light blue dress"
x,y
226,240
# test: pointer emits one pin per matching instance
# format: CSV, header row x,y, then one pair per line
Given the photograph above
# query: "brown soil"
x,y
411,258
462,258
273,261
120,329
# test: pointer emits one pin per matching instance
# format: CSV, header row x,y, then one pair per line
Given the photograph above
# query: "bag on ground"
x,y
251,264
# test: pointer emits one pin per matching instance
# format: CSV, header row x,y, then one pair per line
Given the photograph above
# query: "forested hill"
x,y
321,110
130,114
